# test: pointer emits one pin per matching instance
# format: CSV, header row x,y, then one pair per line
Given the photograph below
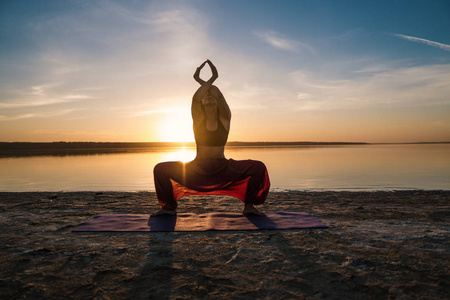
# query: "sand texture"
x,y
380,245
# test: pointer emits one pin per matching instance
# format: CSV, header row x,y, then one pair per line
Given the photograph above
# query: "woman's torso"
x,y
210,151
211,143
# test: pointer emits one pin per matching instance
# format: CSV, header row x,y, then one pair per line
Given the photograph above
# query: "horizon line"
x,y
230,143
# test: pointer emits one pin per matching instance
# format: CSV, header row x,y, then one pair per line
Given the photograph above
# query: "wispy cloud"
x,y
423,41
40,96
16,117
373,69
168,111
77,97
33,103
36,115
276,40
43,102
149,112
397,87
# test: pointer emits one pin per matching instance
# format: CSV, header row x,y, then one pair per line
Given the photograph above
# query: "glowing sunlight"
x,y
184,154
177,127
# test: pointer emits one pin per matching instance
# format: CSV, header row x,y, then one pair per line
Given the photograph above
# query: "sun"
x,y
176,127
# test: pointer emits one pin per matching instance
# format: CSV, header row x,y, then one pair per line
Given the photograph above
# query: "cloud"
x,y
43,102
412,87
38,90
423,41
373,69
152,112
40,95
276,40
155,108
13,117
76,97
16,117
118,54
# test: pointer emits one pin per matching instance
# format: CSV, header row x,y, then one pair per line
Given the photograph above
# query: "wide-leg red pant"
x,y
246,180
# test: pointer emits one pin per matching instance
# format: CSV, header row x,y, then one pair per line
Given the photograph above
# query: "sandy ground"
x,y
380,245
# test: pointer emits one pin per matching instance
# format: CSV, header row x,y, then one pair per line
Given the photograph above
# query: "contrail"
x,y
423,41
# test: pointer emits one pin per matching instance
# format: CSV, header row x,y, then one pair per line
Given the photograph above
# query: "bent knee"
x,y
158,168
256,167
259,165
161,168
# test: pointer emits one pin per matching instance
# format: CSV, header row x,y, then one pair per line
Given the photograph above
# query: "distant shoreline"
x,y
14,149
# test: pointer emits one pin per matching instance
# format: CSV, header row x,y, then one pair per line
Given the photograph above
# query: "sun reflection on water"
x,y
184,154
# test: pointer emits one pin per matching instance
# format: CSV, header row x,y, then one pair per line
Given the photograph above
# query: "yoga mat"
x,y
200,222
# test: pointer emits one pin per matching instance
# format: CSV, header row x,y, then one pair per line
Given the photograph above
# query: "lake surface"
x,y
358,167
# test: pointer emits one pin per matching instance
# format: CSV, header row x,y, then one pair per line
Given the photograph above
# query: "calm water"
x,y
372,167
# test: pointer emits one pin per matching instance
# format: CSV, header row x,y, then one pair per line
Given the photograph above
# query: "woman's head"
x,y
209,100
212,96
209,105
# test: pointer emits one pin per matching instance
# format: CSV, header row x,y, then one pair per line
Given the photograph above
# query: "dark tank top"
x,y
205,137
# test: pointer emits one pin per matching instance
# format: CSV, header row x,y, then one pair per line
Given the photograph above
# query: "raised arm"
x,y
224,109
204,88
197,74
196,107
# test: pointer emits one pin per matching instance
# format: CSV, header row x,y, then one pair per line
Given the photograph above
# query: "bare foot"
x,y
249,209
163,212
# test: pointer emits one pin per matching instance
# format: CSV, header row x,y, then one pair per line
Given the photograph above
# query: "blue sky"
x,y
375,71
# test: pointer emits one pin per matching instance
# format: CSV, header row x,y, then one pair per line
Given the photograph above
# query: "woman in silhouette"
x,y
210,172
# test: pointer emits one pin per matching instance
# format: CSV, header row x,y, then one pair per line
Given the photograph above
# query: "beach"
x,y
379,245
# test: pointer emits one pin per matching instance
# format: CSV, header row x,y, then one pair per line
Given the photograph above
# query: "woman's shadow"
x,y
262,222
167,223
162,223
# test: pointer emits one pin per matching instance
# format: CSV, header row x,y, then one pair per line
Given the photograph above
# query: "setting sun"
x,y
177,127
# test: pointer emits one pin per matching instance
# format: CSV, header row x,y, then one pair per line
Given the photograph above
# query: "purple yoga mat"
x,y
200,222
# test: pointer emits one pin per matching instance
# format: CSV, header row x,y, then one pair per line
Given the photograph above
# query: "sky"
x,y
304,70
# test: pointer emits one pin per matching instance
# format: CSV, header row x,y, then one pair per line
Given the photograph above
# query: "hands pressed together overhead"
x,y
214,76
207,88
